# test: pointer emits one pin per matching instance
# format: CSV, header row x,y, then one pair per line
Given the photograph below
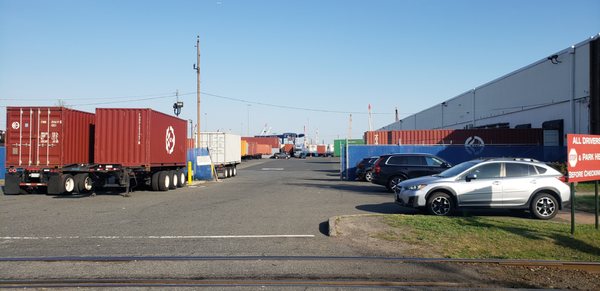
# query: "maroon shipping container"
x,y
139,138
273,142
500,136
48,137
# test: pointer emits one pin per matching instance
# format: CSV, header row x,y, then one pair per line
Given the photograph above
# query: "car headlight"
x,y
416,187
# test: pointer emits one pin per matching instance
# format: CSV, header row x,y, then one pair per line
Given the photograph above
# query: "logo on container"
x,y
474,145
170,140
16,125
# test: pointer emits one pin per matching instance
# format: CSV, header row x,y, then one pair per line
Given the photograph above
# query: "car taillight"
x,y
376,167
562,179
12,170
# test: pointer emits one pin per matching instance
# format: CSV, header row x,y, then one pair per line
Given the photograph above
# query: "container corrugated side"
x,y
224,148
139,137
48,137
271,141
499,136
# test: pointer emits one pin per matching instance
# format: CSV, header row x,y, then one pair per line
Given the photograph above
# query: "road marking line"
x,y
158,237
272,169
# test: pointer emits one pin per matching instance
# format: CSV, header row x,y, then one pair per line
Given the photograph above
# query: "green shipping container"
x,y
339,143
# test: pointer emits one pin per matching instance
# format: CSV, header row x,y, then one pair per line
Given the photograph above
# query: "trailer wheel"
x,y
164,180
83,183
174,179
234,171
225,172
154,181
182,181
68,183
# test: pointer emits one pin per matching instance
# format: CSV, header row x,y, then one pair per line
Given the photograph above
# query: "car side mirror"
x,y
471,177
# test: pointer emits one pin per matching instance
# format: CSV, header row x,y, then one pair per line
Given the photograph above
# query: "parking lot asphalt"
x,y
273,207
270,221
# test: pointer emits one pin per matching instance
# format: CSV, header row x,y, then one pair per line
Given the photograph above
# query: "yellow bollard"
x,y
190,174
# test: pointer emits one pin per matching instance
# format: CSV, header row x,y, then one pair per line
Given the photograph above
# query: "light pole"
x,y
197,68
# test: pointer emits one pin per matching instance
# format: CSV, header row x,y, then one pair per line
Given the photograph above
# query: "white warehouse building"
x,y
560,92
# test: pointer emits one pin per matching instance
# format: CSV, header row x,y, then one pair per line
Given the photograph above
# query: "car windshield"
x,y
457,169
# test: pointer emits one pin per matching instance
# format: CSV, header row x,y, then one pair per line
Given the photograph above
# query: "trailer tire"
x,y
182,181
67,183
174,179
164,180
154,181
83,183
234,171
225,172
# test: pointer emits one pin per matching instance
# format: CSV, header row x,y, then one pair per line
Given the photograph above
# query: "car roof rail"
x,y
512,159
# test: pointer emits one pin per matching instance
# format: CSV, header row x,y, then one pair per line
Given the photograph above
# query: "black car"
x,y
280,156
364,168
389,170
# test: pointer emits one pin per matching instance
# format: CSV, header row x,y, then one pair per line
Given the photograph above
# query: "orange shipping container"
x,y
321,149
271,141
288,148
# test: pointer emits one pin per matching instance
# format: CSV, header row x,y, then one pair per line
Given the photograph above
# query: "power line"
x,y
172,95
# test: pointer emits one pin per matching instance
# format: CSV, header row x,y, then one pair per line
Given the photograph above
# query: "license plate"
x,y
34,175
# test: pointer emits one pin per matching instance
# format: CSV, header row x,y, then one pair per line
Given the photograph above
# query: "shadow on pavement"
x,y
324,228
387,208
360,189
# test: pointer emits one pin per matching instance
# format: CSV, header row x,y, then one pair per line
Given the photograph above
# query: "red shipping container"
x,y
376,137
321,149
263,149
48,136
139,138
271,141
498,136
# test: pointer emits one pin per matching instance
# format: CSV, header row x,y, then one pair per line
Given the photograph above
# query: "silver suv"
x,y
488,183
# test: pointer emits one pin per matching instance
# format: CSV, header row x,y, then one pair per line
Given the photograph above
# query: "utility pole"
x,y
197,68
350,127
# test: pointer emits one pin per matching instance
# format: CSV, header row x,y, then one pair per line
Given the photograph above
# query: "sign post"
x,y
583,165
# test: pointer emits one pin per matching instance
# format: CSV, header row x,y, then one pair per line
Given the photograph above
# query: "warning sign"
x,y
583,157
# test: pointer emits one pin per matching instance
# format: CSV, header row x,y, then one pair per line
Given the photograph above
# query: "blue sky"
x,y
315,56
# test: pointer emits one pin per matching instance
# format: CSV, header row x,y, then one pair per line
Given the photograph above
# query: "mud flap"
x,y
11,184
55,185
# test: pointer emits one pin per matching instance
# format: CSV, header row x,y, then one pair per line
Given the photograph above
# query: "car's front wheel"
x,y
544,206
440,204
393,183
